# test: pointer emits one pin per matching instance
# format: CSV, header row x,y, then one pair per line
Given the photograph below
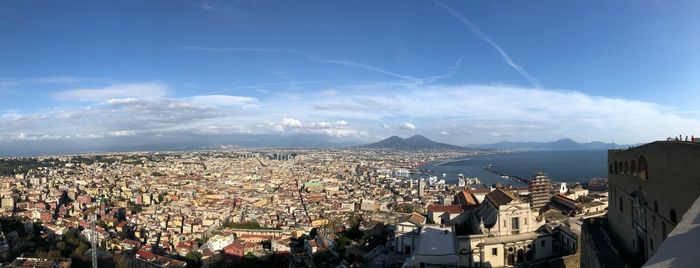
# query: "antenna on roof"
x,y
612,143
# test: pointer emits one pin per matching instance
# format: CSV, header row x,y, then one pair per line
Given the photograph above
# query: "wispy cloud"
x,y
226,100
261,87
408,126
57,80
347,63
4,84
145,89
206,6
481,35
457,114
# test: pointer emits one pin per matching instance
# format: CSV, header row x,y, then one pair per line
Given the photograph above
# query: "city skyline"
x,y
192,72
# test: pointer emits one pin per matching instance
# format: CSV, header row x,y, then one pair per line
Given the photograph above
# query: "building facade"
x,y
540,188
650,189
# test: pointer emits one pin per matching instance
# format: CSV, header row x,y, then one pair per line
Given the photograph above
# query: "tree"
x,y
194,259
266,244
82,247
122,261
404,208
313,233
51,254
354,233
342,242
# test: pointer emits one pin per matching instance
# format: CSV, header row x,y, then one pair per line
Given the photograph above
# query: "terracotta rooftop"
x,y
466,198
452,209
500,197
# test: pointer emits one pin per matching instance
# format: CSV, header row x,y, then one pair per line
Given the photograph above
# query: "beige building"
x,y
650,189
507,233
7,203
406,233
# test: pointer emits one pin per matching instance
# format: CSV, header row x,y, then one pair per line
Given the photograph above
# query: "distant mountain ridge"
x,y
416,142
558,145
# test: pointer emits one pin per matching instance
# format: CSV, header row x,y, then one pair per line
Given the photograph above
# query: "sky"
x,y
105,75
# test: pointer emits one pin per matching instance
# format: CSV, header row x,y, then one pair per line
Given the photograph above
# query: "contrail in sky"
x,y
307,56
476,31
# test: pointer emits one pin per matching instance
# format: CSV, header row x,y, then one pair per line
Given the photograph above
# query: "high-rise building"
x,y
421,188
650,189
540,188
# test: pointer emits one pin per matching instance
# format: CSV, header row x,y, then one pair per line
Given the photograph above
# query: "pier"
x,y
489,169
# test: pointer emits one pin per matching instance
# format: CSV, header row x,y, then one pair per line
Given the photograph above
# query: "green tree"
x,y
194,259
313,233
354,233
81,248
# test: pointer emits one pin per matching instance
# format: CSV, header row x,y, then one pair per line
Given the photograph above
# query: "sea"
x,y
561,166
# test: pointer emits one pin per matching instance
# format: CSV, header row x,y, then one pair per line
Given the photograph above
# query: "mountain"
x,y
559,145
417,142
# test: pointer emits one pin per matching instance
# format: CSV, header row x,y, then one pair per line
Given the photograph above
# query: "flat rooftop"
x,y
436,241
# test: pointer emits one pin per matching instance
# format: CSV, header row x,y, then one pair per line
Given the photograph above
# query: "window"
x,y
673,216
643,168
627,167
494,251
610,170
616,168
633,168
515,223
542,243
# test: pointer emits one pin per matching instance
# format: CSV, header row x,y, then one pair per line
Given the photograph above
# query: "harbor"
x,y
503,175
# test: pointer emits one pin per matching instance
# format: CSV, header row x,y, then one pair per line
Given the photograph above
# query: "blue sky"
x,y
348,71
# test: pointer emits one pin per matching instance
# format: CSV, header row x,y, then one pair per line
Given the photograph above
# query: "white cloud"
x,y
226,100
119,101
206,6
408,126
122,133
461,114
135,90
290,122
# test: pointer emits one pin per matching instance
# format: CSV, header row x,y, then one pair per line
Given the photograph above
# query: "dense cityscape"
x,y
350,207
318,208
347,134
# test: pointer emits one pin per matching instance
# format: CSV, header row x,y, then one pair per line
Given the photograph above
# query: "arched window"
x,y
616,168
633,168
673,216
611,169
643,168
627,167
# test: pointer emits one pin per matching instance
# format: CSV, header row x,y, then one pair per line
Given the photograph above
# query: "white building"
x,y
219,241
407,233
507,232
436,247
